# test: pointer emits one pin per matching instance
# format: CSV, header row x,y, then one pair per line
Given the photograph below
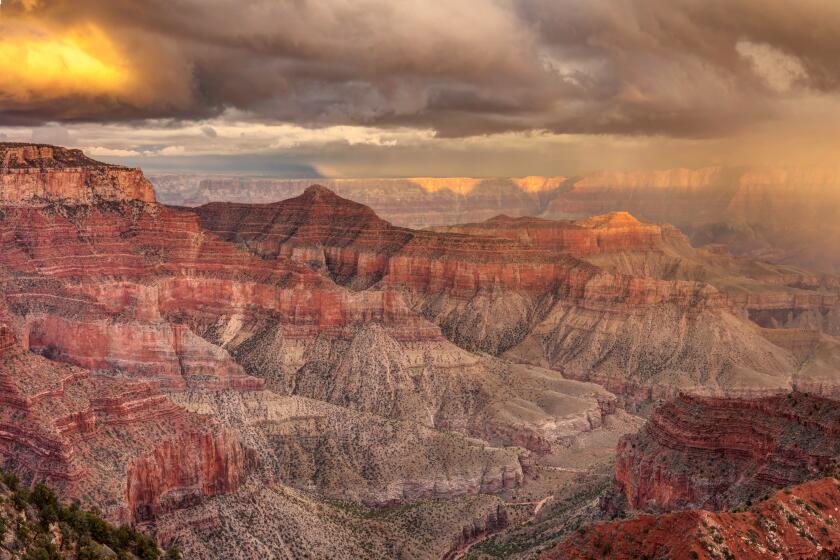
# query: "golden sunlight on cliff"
x,y
458,185
535,183
38,65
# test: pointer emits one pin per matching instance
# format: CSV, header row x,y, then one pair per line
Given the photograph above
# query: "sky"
x,y
381,88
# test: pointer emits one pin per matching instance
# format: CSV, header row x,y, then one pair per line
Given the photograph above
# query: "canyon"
x,y
305,376
159,372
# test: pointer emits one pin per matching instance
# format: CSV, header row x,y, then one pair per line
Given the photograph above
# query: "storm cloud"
x,y
681,68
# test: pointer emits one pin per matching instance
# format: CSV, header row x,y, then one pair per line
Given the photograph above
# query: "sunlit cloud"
x,y
39,64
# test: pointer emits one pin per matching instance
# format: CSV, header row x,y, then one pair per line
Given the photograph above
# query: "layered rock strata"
x,y
36,175
534,304
718,453
117,444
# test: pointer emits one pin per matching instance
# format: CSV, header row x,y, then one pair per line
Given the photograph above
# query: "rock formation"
x,y
33,174
718,453
118,444
532,301
797,523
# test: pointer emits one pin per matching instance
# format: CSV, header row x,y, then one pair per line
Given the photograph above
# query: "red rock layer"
x,y
609,233
8,341
798,523
129,286
33,174
118,444
770,296
717,453
181,472
350,243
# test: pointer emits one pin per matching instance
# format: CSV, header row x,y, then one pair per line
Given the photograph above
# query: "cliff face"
x,y
797,523
181,472
37,175
717,453
120,445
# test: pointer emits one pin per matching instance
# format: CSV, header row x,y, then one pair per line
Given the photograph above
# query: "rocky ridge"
x,y
532,302
797,523
33,174
717,453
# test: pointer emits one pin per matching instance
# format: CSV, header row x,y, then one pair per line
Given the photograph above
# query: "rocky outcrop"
x,y
798,523
8,342
181,472
477,530
35,175
718,453
120,445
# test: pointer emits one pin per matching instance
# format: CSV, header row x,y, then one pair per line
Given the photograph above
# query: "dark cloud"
x,y
688,68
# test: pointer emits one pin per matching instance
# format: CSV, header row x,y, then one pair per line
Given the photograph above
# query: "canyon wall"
x,y
36,174
718,453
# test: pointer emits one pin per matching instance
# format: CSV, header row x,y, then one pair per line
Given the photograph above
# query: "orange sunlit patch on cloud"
x,y
40,64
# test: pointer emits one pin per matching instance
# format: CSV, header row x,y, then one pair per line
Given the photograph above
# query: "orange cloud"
x,y
39,64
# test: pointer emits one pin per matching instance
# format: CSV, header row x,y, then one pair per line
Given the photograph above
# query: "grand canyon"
x,y
304,377
407,280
